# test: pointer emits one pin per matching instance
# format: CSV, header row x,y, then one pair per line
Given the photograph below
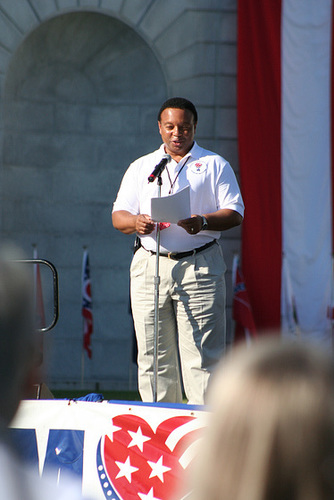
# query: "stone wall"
x,y
81,82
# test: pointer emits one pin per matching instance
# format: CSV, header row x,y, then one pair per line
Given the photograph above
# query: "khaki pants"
x,y
191,333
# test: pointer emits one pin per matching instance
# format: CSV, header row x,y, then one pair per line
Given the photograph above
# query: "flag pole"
x,y
82,358
82,366
83,329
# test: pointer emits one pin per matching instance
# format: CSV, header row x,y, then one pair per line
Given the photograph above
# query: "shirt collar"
x,y
194,152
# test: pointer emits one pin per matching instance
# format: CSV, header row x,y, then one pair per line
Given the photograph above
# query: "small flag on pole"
x,y
87,305
242,313
39,302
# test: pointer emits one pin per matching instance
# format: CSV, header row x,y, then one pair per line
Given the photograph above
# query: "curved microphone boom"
x,y
159,168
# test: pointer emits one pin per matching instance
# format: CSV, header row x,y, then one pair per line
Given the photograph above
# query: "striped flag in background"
x,y
87,312
245,329
284,120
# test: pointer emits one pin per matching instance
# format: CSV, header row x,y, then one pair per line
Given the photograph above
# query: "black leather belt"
x,y
182,255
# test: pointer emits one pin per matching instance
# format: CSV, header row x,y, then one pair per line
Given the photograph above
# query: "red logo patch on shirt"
x,y
198,167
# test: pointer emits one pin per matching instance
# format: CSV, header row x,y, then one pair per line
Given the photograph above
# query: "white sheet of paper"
x,y
171,208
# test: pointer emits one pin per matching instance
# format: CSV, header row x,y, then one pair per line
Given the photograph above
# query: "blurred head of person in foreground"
x,y
270,432
18,338
19,370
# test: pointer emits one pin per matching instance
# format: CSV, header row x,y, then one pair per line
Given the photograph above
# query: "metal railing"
x,y
55,290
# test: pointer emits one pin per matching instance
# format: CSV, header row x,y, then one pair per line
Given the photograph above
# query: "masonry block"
x,y
89,3
200,27
22,15
28,116
133,10
113,6
61,150
67,4
44,8
199,89
198,59
70,117
113,119
26,182
206,122
4,59
10,36
226,123
226,59
65,357
93,186
226,90
160,15
215,4
113,359
229,150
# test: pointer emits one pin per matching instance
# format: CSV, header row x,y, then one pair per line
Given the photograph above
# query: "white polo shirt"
x,y
212,183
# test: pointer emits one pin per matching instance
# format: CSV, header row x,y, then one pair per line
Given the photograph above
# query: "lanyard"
x,y
172,183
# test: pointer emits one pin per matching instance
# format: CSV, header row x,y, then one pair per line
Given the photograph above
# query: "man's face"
x,y
177,130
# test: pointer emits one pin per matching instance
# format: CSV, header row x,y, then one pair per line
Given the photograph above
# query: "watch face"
x,y
204,223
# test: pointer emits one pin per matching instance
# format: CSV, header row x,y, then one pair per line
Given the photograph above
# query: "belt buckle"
x,y
171,255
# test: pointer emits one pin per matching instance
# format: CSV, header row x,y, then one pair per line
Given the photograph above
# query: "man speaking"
x,y
191,330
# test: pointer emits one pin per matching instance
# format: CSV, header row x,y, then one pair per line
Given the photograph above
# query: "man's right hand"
x,y
128,223
144,224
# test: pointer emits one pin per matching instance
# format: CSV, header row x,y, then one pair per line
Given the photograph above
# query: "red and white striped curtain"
x,y
284,122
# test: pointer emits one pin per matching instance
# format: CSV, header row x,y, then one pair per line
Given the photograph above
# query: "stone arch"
x,y
79,103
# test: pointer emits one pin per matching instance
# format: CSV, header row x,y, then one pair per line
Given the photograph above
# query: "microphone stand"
x,y
156,305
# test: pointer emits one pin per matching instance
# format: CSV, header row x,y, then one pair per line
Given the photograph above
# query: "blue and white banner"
x,y
118,450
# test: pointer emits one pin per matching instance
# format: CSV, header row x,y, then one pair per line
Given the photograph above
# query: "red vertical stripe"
x,y
259,129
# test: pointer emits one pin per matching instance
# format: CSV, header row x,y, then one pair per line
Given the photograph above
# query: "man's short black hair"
x,y
178,103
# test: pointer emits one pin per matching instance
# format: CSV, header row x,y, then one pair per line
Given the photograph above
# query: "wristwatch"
x,y
204,223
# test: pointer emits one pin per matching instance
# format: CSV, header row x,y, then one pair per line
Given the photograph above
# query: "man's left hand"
x,y
193,225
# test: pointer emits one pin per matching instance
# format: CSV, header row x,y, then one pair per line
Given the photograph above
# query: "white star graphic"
x,y
125,469
111,431
158,469
138,439
149,496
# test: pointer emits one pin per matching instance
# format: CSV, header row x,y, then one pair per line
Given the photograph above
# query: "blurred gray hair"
x,y
270,434
17,330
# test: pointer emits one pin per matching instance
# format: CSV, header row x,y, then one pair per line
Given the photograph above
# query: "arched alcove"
x,y
80,101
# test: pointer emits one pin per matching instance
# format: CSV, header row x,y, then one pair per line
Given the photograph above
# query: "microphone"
x,y
159,168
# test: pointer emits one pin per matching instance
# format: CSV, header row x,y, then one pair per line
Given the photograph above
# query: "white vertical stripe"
x,y
289,319
306,198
